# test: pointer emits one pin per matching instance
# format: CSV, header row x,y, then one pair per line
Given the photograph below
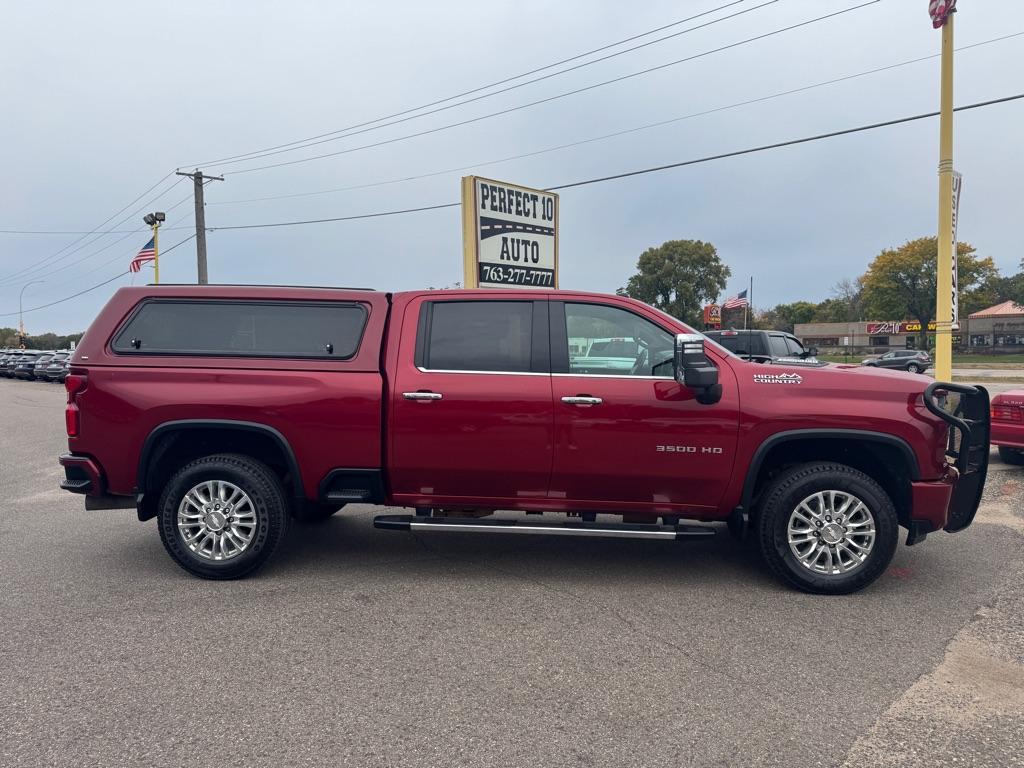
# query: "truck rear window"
x,y
243,329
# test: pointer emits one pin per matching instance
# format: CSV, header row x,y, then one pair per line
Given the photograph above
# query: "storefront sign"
x,y
897,327
713,317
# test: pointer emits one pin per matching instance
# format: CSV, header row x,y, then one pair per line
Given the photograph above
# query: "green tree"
x,y
679,277
783,317
900,282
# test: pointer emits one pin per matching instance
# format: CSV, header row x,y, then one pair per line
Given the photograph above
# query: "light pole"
x,y
155,220
21,319
942,12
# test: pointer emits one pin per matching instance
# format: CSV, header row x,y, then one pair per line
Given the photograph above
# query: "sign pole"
x,y
156,253
944,278
470,276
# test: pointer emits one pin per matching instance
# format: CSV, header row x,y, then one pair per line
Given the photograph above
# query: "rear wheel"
x,y
222,516
1011,455
913,368
827,528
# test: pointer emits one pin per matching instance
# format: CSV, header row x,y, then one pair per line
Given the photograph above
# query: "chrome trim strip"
x,y
493,373
615,376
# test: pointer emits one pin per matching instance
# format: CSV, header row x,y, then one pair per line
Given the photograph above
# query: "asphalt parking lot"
x,y
358,647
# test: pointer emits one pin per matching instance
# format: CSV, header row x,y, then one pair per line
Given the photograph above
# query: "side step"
x,y
604,530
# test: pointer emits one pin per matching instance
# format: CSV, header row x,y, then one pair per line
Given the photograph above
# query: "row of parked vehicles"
x,y
35,364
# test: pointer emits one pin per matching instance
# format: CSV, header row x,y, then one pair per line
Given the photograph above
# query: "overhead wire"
x,y
576,57
554,97
614,134
50,261
349,132
95,229
653,169
94,287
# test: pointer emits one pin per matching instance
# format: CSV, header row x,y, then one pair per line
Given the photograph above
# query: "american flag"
x,y
739,300
148,253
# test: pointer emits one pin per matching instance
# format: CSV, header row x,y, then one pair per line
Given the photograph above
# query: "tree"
x,y
783,317
679,277
900,282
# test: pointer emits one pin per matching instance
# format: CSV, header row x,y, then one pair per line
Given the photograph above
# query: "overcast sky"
x,y
100,100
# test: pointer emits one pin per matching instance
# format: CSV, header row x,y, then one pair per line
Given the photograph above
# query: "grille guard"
x,y
967,445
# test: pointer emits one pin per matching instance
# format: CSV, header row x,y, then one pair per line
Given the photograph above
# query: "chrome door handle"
x,y
422,395
582,400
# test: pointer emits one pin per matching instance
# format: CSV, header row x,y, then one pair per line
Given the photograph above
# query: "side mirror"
x,y
812,352
692,368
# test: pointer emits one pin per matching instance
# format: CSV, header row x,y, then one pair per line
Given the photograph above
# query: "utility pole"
x,y
197,185
942,13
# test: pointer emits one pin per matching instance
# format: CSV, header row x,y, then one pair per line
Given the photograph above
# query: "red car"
x,y
1008,425
223,411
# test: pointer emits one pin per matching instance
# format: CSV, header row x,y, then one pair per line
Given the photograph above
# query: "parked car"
x,y
764,346
39,367
902,359
1008,425
612,356
56,369
7,362
25,365
223,411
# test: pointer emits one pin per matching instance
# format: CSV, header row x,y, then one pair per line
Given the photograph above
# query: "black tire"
x,y
1013,456
913,368
789,490
269,502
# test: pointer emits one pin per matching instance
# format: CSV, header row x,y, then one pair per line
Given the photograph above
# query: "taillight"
x,y
1006,413
74,384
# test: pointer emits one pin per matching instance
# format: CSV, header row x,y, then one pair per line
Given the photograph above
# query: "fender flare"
x,y
152,439
796,435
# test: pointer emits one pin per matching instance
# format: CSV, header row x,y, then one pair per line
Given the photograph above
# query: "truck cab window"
x,y
479,336
610,341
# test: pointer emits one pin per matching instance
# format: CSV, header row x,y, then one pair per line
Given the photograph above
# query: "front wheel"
x,y
222,516
1013,456
827,528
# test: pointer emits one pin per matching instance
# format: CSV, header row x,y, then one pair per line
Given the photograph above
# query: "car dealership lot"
x,y
362,647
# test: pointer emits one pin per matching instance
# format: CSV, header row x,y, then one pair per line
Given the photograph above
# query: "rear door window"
x,y
244,329
477,336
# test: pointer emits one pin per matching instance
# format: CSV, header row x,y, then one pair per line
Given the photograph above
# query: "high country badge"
x,y
777,378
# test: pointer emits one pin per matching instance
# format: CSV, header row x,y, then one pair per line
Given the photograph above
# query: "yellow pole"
x,y
156,253
944,281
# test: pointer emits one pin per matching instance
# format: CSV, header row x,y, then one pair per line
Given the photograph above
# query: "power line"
x,y
556,96
93,288
473,90
49,261
102,224
615,134
111,245
680,164
351,131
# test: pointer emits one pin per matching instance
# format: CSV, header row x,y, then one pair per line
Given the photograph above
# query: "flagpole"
x,y
750,298
156,253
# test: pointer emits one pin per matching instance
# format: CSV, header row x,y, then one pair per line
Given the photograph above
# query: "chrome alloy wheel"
x,y
216,520
831,533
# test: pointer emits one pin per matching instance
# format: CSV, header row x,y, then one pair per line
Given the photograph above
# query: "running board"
x,y
604,530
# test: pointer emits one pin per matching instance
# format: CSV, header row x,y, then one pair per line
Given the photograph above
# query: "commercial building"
x,y
996,329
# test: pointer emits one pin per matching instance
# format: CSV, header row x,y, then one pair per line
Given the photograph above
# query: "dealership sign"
x,y
894,328
509,234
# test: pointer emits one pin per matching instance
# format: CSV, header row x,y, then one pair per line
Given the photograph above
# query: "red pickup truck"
x,y
224,411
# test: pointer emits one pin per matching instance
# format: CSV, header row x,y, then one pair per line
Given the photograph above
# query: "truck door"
x,y
631,437
471,411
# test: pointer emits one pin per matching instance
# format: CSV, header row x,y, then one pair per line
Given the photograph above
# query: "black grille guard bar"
x,y
954,421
